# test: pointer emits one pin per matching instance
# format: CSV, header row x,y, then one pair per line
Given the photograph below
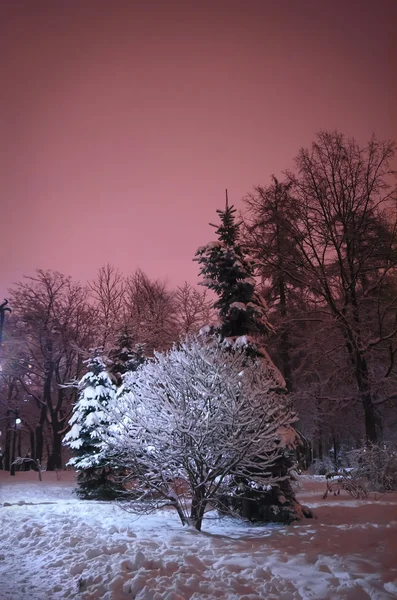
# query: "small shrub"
x,y
346,480
376,465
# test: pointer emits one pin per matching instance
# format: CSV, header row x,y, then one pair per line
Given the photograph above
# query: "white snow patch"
x,y
55,546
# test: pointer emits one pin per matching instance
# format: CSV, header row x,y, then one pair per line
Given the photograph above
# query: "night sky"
x,y
123,122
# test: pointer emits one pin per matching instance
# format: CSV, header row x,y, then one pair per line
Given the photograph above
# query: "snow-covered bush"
x,y
195,419
88,423
376,465
373,469
348,481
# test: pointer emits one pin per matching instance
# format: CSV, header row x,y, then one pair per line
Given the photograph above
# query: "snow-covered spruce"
x,y
194,420
242,323
125,355
227,271
88,422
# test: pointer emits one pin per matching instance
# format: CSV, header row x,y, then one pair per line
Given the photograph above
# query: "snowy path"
x,y
53,546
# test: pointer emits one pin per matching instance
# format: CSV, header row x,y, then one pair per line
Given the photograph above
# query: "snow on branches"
x,y
89,418
96,477
229,272
193,420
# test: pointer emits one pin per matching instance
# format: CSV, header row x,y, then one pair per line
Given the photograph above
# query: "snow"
x,y
54,546
95,391
211,246
238,306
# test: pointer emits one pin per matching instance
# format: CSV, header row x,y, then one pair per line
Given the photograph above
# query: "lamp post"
x,y
3,309
17,422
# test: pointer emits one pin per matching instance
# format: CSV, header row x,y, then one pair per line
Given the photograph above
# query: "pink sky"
x,y
123,122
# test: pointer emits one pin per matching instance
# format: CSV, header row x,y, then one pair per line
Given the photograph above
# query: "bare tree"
x,y
193,309
108,293
345,235
54,323
337,223
303,336
150,312
325,392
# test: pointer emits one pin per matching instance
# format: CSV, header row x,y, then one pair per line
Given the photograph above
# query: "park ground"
x,y
54,546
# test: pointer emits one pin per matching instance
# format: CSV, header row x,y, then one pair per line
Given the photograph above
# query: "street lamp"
x,y
3,309
17,422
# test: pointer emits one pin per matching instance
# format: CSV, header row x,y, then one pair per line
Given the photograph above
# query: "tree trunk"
x,y
55,457
38,455
285,345
32,440
371,417
7,445
361,372
19,444
320,446
335,442
197,508
14,441
179,510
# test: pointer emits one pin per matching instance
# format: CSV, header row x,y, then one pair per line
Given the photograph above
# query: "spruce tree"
x,y
229,272
95,477
126,356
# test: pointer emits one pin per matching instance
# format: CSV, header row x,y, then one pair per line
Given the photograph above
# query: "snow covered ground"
x,y
55,546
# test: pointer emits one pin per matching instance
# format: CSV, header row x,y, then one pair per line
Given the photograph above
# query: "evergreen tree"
x,y
94,475
126,356
229,272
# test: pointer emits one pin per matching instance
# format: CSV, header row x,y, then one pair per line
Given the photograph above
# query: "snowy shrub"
x,y
346,480
193,419
376,465
373,469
